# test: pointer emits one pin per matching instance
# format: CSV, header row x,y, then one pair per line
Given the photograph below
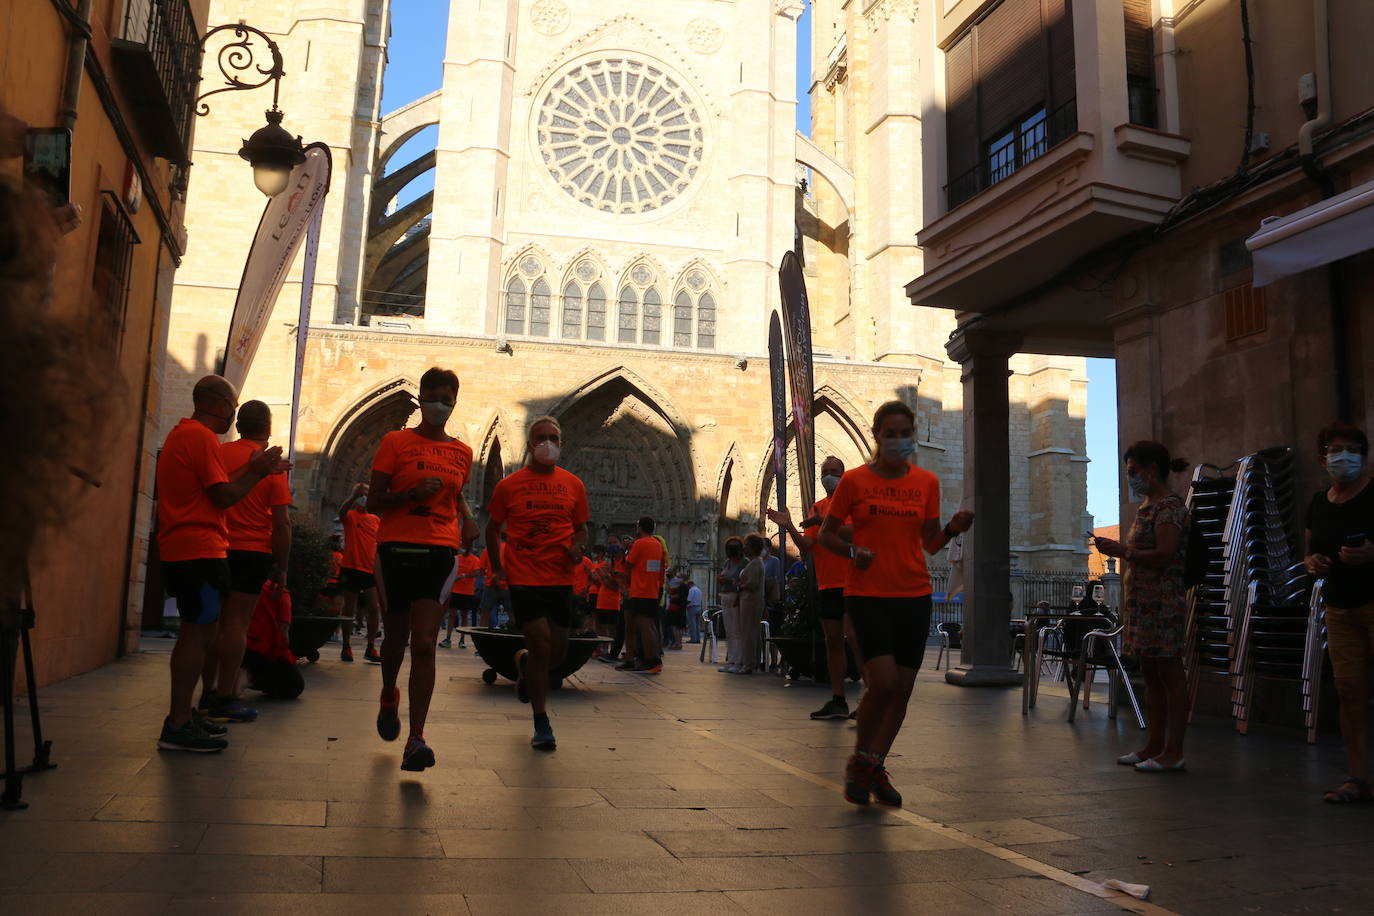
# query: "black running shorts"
x,y
642,607
830,603
529,603
897,627
199,587
463,602
355,580
248,570
415,572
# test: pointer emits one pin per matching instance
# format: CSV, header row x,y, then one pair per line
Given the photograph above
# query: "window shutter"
x,y
1140,41
1011,65
1059,24
961,118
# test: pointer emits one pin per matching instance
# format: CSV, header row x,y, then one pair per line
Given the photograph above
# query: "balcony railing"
x,y
1027,141
158,54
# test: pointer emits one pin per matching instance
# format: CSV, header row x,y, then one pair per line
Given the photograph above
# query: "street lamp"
x,y
271,151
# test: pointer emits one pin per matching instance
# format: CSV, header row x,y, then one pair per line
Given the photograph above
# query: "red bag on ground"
x,y
267,632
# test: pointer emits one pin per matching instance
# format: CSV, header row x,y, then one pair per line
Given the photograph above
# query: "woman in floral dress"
x,y
1154,602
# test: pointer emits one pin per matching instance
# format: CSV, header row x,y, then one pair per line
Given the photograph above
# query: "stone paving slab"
x,y
688,793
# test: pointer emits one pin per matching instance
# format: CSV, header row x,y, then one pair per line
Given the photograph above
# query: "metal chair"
x,y
951,637
1118,676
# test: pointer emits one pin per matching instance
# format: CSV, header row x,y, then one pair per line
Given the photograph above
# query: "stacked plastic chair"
x,y
1208,634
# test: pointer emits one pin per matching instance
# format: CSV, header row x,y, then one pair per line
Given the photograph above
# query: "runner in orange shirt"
x,y
463,600
357,573
609,601
259,547
645,563
418,477
543,510
831,572
894,508
193,490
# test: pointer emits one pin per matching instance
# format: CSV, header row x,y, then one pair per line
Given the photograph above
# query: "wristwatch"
x,y
853,552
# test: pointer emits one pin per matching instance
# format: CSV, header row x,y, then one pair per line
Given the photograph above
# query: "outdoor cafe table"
x,y
1030,684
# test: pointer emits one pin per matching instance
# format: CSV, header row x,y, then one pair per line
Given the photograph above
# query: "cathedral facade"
x,y
613,192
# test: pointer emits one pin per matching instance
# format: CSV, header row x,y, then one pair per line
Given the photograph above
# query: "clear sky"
x,y
415,67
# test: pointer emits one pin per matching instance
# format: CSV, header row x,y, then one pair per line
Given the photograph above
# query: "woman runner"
x,y
544,511
417,486
894,508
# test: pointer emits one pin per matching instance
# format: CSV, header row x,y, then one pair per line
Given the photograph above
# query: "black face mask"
x,y
734,551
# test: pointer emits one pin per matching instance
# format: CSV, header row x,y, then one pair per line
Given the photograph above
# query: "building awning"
x,y
1336,228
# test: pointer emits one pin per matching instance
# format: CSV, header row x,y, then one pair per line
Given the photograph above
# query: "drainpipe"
x,y
1312,167
76,61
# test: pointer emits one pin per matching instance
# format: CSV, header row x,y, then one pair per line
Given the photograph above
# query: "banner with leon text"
x,y
796,319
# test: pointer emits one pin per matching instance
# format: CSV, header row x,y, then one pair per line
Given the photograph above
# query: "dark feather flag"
x,y
796,318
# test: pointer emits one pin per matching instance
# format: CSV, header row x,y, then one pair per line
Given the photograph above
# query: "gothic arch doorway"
x,y
353,444
634,462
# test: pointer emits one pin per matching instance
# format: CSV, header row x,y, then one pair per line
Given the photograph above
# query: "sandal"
x,y
1353,789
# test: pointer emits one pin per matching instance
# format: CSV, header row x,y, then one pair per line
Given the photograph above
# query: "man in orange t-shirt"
x,y
357,579
462,603
193,491
646,572
259,547
543,510
831,572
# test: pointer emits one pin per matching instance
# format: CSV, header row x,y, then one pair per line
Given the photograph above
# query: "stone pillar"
x,y
987,547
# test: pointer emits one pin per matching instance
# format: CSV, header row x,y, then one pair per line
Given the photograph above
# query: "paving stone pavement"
x,y
691,792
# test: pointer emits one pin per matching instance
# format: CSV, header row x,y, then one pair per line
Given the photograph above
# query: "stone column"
x,y
987,474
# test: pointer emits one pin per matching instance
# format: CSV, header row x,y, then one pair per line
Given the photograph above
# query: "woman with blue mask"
x,y
892,509
1155,601
1340,525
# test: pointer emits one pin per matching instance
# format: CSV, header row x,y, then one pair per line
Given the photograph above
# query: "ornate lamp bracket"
x,y
238,64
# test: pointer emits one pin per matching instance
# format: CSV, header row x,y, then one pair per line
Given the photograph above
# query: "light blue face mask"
x,y
899,448
1139,487
1344,466
830,482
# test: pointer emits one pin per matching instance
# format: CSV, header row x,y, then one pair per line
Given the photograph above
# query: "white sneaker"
x,y
727,669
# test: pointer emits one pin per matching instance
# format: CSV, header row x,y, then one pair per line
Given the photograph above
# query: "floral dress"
x,y
1154,599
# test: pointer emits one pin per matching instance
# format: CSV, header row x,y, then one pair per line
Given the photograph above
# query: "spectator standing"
x,y
357,573
1340,524
694,611
753,585
727,587
1154,604
645,565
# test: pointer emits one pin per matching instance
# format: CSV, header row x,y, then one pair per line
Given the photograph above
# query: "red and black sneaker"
x,y
389,715
345,654
858,781
883,793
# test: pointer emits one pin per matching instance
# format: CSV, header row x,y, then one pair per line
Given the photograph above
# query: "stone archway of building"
x,y
635,460
348,453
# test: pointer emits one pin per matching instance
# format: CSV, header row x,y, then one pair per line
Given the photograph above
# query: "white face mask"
x,y
830,482
899,448
547,452
361,502
1138,486
1344,466
436,413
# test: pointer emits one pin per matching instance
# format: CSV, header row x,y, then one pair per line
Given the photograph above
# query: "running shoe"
x,y
213,729
462,643
728,669
627,665
543,737
188,737
446,643
346,654
371,657
522,689
833,709
858,781
883,793
228,709
389,715
417,755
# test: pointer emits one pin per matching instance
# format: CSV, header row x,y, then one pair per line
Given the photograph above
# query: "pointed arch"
x,y
582,292
527,292
834,403
352,442
696,294
639,302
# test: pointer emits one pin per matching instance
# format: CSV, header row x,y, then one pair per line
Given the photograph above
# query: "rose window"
x,y
620,136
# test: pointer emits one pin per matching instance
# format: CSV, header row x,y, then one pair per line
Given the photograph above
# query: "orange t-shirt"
x,y
409,458
189,525
646,568
542,513
582,576
888,517
335,562
250,519
832,570
486,565
360,540
467,563
608,599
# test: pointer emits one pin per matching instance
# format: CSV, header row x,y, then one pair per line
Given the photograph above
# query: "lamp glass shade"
x,y
271,178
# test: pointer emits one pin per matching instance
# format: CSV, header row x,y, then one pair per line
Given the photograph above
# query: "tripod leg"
x,y
14,780
42,750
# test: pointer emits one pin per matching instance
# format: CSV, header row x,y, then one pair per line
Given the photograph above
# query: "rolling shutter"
x,y
1011,64
1059,24
961,120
